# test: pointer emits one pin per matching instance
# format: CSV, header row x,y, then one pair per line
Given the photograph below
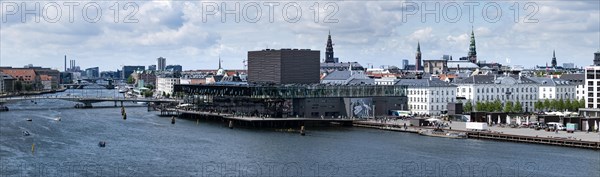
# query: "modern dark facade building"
x,y
174,68
92,72
297,100
127,70
597,58
285,66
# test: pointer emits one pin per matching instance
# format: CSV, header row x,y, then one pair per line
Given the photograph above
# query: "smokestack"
x,y
65,63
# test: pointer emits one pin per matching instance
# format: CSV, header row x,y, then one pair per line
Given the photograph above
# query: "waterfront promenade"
x,y
591,136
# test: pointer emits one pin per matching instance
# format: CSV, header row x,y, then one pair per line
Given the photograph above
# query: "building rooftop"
x,y
545,81
462,64
434,82
575,78
494,79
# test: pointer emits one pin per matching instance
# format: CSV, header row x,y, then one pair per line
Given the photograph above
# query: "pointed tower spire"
x,y
418,57
219,61
329,50
553,59
472,50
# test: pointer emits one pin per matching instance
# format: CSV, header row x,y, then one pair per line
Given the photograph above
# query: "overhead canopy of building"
x,y
294,91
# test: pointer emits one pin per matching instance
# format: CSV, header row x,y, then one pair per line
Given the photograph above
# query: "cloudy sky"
x,y
195,33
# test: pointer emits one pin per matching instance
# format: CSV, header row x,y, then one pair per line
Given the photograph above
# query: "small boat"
x,y
57,119
443,133
102,144
26,133
29,119
123,89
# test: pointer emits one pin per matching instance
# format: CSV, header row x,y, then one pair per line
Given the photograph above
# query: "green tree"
x,y
18,86
478,106
517,108
468,106
130,80
575,105
554,105
28,87
567,105
547,104
581,104
560,105
539,105
497,105
508,106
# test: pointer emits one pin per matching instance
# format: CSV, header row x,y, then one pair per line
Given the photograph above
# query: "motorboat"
x,y
26,133
102,144
437,132
57,119
29,119
123,89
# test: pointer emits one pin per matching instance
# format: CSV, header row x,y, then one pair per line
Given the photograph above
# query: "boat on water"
x,y
57,119
443,133
26,133
29,119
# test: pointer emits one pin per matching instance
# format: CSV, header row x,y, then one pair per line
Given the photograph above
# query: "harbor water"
x,y
147,145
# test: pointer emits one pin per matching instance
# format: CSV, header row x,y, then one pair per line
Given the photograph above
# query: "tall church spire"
x,y
553,59
472,50
418,57
329,50
219,62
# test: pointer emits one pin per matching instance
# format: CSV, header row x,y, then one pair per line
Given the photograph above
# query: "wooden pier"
x,y
489,135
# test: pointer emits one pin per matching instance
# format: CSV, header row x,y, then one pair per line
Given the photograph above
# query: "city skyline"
x,y
377,33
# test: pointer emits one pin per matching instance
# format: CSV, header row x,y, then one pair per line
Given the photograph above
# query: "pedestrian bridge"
x,y
87,101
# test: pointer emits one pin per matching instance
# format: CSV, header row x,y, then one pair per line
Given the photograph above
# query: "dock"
x,y
498,136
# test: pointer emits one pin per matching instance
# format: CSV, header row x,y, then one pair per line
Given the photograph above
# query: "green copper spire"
x,y
472,50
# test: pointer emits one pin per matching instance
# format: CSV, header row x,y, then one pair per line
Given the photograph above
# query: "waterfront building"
x,y
92,72
66,78
554,88
505,88
161,63
579,81
46,82
428,96
27,77
284,66
6,83
128,70
165,85
297,100
592,85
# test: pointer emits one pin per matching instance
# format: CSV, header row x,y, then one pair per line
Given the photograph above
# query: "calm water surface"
x,y
148,145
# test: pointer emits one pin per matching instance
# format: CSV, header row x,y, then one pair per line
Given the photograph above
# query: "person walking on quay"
x,y
404,125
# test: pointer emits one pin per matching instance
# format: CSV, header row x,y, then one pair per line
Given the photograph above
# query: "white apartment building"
x,y
428,96
488,88
579,81
166,85
592,85
554,89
